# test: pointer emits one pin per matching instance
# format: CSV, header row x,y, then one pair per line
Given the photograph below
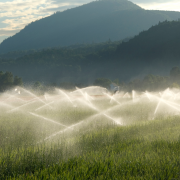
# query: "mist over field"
x,y
75,131
92,92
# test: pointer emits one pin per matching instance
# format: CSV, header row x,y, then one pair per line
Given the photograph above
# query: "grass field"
x,y
82,136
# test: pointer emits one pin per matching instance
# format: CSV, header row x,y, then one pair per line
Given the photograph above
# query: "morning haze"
x,y
91,91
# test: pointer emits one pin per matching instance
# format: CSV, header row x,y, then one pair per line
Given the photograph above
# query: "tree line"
x,y
150,82
156,49
8,80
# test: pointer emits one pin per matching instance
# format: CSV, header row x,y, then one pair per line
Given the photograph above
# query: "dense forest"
x,y
54,64
93,22
154,51
162,41
8,80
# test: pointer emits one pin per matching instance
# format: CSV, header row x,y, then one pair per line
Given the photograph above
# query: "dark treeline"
x,y
8,80
161,41
78,49
151,52
149,82
52,64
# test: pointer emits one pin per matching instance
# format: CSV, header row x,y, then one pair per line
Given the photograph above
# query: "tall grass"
x,y
143,148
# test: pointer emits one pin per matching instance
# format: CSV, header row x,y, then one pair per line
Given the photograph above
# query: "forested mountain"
x,y
154,51
162,41
97,21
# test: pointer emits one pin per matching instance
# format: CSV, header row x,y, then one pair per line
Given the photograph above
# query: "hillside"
x,y
161,41
97,21
154,51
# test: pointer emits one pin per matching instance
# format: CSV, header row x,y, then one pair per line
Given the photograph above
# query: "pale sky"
x,y
16,14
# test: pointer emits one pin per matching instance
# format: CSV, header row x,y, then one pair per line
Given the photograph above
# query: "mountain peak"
x,y
97,21
114,4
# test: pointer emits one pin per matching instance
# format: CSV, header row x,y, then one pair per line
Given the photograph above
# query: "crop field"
x,y
90,133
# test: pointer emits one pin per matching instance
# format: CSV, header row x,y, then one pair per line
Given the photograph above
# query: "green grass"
x,y
96,149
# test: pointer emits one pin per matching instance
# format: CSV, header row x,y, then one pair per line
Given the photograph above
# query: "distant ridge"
x,y
161,41
154,51
97,21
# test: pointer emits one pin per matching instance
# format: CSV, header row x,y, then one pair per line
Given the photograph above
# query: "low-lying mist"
x,y
62,124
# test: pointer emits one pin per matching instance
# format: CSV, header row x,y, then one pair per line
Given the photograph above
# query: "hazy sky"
x,y
15,14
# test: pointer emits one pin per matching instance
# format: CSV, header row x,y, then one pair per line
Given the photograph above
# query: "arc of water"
x,y
88,88
87,119
71,127
174,107
88,96
32,101
170,104
89,104
5,104
7,98
84,95
112,119
10,96
147,94
67,96
15,97
173,103
160,101
47,119
112,98
34,96
93,107
126,94
44,106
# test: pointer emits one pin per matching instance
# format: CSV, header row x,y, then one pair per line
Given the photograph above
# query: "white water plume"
x,y
47,119
92,103
72,126
15,96
44,106
32,101
67,97
112,98
126,95
160,101
103,113
34,96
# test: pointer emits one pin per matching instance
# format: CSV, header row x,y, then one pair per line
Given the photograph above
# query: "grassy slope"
x,y
149,150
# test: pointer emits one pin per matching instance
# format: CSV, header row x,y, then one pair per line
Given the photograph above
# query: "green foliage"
x,y
149,151
149,82
7,81
152,51
18,81
37,85
152,82
158,42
